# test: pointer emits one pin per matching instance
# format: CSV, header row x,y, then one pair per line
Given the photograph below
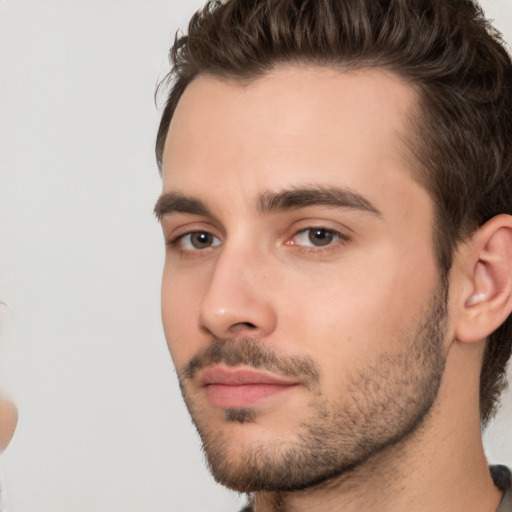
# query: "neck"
x,y
451,476
441,466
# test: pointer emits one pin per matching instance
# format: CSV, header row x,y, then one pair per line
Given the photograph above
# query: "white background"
x,y
102,426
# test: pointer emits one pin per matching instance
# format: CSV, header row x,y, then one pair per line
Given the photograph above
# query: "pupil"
x,y
320,237
201,240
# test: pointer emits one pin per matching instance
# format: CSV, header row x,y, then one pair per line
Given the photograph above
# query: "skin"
x,y
8,420
346,307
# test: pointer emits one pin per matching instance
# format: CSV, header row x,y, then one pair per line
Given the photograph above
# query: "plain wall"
x,y
102,425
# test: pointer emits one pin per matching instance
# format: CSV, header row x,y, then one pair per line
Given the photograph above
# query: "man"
x,y
338,280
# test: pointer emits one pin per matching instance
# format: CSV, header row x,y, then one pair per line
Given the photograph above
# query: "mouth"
x,y
240,388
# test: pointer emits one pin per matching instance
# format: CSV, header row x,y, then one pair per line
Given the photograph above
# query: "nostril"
x,y
247,325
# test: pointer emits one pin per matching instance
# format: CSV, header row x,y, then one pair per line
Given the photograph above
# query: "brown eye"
x,y
201,240
320,237
198,240
317,237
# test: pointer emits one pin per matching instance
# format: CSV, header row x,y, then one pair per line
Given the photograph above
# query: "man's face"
x,y
301,300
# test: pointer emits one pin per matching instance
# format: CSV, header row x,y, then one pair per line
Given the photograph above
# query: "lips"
x,y
242,387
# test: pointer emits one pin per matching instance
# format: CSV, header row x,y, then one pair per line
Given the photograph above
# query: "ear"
x,y
487,289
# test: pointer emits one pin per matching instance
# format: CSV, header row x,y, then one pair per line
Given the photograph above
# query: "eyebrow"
x,y
271,202
329,197
172,202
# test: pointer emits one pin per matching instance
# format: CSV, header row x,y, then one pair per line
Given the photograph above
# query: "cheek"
x,y
350,313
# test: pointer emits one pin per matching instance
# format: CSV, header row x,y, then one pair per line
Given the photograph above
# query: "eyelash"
x,y
178,240
175,244
339,239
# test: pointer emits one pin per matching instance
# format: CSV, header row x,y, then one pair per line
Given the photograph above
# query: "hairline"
x,y
408,135
245,78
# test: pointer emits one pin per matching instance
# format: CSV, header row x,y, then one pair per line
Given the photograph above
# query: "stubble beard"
x,y
384,403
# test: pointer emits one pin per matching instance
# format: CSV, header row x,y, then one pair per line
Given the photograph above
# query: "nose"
x,y
238,300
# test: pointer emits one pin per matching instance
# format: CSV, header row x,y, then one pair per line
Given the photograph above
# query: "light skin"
x,y
295,228
8,421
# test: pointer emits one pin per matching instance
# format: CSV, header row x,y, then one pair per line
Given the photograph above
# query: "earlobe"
x,y
488,302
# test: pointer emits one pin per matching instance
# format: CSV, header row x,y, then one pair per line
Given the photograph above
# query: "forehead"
x,y
295,125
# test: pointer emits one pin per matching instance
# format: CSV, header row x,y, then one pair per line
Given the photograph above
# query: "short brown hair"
x,y
446,49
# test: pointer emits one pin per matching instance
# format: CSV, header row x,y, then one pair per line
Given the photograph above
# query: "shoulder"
x,y
503,480
501,476
506,502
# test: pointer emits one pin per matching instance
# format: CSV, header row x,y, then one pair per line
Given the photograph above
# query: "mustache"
x,y
254,353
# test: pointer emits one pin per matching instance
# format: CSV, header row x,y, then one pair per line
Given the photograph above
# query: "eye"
x,y
317,237
196,240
